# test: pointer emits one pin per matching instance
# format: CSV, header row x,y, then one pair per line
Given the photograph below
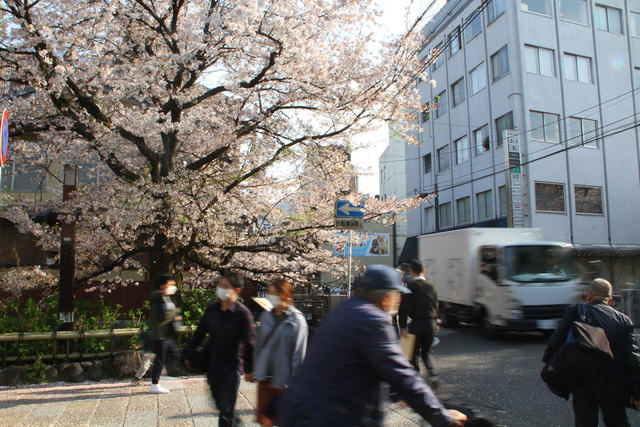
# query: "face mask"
x,y
171,290
275,300
223,294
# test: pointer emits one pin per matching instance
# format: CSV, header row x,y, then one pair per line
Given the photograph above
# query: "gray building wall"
x,y
613,166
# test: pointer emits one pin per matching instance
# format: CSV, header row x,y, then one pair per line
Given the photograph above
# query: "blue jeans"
x,y
224,389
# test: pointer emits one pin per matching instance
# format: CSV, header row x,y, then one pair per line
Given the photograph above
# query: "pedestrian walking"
x,y
618,386
231,345
164,318
281,344
146,355
421,305
352,360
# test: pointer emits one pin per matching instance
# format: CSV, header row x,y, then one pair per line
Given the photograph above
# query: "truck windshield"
x,y
539,263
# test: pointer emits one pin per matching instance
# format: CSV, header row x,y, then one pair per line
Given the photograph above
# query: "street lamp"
x,y
68,248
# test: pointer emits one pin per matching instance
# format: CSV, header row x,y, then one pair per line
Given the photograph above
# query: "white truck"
x,y
506,279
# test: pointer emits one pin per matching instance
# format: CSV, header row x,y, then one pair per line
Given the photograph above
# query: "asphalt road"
x,y
501,378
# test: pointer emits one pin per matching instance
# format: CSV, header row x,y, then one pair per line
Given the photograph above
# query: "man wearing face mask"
x,y
352,360
231,341
164,317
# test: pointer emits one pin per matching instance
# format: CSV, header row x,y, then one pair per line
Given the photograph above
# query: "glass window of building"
x,y
441,104
583,132
549,197
634,24
427,163
574,11
443,158
454,41
478,79
475,26
539,61
23,178
503,123
462,150
577,68
608,19
464,210
485,205
588,199
437,52
481,138
543,7
502,193
425,113
500,63
544,127
457,92
495,8
445,215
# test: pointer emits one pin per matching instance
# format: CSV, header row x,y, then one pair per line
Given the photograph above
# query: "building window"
x,y
462,150
588,199
23,178
481,137
425,113
544,127
485,205
427,163
634,24
500,63
502,193
495,8
608,19
457,93
549,197
441,104
464,210
439,57
574,11
577,68
537,6
583,132
539,61
443,158
477,79
454,41
503,123
475,26
425,221
445,215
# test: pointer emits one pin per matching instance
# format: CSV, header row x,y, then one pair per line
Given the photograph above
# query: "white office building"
x,y
563,74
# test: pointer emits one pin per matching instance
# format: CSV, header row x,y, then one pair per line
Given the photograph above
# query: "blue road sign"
x,y
344,209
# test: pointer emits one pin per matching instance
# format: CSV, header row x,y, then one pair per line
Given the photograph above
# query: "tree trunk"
x,y
164,259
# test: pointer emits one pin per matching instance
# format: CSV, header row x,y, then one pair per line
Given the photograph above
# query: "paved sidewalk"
x,y
116,403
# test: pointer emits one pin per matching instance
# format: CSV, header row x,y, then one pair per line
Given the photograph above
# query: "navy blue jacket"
x,y
351,360
622,378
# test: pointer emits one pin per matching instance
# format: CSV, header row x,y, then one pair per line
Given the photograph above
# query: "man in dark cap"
x,y
351,361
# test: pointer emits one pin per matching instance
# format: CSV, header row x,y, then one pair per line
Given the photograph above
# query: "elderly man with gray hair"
x,y
618,386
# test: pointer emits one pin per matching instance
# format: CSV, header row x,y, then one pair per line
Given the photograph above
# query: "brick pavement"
x,y
116,403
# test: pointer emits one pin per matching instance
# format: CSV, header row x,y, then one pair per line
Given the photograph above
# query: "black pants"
x,y
224,389
164,348
424,330
585,408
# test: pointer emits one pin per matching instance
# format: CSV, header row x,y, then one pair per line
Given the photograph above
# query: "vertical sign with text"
x,y
514,178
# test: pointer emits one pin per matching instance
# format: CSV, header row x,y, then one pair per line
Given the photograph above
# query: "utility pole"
x,y
435,189
68,248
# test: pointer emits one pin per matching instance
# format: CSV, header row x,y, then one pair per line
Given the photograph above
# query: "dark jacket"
x,y
622,377
162,317
344,379
421,303
231,338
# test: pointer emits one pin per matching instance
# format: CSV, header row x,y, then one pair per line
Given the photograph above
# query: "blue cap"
x,y
382,277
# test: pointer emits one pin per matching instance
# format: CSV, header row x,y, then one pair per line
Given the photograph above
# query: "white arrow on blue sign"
x,y
344,209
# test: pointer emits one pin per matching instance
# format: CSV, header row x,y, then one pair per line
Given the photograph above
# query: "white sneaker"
x,y
158,389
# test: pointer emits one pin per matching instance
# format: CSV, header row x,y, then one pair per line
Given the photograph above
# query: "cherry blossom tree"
x,y
221,129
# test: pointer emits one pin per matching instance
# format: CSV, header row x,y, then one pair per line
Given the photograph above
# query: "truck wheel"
x,y
446,318
487,329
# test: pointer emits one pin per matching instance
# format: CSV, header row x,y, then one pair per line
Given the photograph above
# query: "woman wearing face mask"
x,y
281,343
164,315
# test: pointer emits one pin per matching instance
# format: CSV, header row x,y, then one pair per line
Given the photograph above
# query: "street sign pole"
x,y
349,274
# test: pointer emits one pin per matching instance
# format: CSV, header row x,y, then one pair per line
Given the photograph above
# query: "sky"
x,y
394,22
